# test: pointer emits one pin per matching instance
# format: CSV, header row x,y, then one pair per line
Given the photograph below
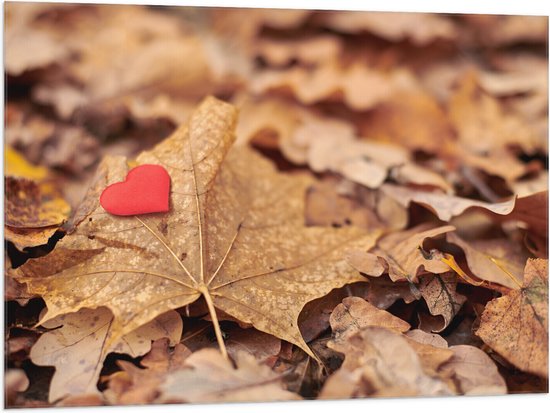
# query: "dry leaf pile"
x,y
358,205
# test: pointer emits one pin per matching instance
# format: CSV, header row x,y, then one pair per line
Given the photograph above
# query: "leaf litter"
x,y
358,210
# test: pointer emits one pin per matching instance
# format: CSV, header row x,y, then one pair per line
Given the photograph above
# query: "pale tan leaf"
x,y
79,344
516,325
207,377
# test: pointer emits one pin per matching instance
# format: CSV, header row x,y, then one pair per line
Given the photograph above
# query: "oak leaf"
x,y
516,324
234,235
79,344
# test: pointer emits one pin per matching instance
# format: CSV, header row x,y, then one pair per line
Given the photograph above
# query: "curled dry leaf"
x,y
355,314
237,241
380,363
80,342
419,28
474,371
440,294
442,205
382,292
411,119
481,123
403,253
498,261
208,377
312,50
133,385
533,211
358,87
516,324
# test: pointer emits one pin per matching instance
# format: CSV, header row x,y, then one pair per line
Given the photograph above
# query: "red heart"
x,y
145,190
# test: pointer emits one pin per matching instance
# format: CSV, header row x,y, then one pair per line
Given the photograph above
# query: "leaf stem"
x,y
212,310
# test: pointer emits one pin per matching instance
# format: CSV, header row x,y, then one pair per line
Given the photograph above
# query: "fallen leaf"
x,y
498,261
474,371
383,293
134,385
309,50
262,346
79,344
419,28
444,206
439,292
18,167
380,363
359,87
412,119
481,123
248,269
533,211
15,381
30,205
208,377
516,324
355,314
403,253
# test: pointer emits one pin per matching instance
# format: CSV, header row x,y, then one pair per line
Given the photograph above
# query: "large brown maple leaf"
x,y
234,234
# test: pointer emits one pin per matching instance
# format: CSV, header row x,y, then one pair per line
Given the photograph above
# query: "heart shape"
x,y
145,190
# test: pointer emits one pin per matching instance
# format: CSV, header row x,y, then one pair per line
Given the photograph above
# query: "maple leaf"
x,y
516,324
78,346
234,235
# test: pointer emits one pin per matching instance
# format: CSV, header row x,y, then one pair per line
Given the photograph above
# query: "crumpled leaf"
x,y
358,86
498,260
355,314
80,342
403,254
380,363
239,242
412,119
482,125
474,371
516,324
308,50
444,206
208,377
419,28
439,292
133,385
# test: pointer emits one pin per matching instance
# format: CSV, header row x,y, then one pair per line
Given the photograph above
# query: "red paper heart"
x,y
145,190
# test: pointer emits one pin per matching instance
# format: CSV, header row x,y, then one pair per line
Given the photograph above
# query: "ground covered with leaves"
x,y
358,205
